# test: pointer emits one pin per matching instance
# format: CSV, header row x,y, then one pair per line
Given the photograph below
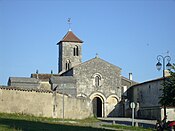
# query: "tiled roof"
x,y
70,37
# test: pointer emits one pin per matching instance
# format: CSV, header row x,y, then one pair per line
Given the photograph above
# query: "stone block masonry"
x,y
43,103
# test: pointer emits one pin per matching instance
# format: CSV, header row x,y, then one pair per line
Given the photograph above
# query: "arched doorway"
x,y
97,107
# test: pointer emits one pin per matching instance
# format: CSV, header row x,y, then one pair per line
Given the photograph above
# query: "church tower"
x,y
70,52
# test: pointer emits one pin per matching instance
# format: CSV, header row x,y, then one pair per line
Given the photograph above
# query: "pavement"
x,y
122,121
128,121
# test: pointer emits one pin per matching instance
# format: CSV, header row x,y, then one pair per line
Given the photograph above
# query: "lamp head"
x,y
169,66
158,66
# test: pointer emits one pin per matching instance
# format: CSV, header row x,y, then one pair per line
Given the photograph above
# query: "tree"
x,y
168,90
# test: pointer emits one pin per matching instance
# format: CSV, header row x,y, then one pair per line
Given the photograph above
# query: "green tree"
x,y
168,90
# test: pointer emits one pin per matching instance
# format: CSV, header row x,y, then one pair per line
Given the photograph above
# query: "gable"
x,y
89,69
97,75
97,63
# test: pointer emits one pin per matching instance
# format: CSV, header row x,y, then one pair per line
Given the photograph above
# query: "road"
x,y
128,121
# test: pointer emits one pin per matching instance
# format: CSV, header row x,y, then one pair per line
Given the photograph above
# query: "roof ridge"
x,y
99,59
23,89
70,37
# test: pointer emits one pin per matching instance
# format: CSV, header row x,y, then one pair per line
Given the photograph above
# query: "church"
x,y
96,81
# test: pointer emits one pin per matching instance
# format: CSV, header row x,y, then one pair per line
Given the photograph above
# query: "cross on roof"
x,y
69,22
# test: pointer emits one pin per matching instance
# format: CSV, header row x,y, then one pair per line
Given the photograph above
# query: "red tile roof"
x,y
70,37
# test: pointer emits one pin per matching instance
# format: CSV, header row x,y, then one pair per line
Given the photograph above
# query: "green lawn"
x,y
24,125
18,122
15,122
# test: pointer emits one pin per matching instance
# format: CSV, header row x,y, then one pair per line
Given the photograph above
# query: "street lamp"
x,y
63,91
159,66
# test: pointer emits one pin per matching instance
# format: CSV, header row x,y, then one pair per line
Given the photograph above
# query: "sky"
x,y
127,33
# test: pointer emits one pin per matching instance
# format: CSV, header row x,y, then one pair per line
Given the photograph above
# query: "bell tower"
x,y
70,52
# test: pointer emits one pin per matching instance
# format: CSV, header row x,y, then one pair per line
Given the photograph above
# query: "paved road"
x,y
128,121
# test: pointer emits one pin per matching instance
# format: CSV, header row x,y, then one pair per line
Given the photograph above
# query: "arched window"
x,y
68,64
75,51
97,80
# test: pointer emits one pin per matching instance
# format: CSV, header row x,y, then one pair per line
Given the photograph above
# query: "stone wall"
x,y
74,108
150,113
157,113
45,85
43,103
26,102
147,95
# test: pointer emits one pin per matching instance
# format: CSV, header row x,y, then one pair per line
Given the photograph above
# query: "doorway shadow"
x,y
117,111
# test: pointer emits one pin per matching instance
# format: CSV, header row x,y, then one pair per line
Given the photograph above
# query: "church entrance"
x,y
97,107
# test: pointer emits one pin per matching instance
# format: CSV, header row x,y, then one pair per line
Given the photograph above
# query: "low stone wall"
x,y
43,103
157,113
150,113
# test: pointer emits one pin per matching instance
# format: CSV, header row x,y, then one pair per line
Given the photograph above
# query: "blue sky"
x,y
127,33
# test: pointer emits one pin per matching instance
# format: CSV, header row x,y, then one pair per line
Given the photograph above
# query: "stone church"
x,y
95,80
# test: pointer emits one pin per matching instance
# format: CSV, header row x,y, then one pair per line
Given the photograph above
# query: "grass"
x,y
25,125
21,122
18,122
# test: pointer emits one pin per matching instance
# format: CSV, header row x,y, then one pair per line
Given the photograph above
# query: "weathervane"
x,y
168,52
96,55
69,22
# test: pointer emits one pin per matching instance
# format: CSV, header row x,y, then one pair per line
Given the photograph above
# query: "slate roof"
x,y
70,37
70,84
23,80
62,79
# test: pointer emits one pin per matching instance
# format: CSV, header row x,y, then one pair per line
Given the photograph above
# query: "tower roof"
x,y
71,37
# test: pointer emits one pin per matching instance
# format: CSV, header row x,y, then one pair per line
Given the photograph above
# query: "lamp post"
x,y
63,99
168,66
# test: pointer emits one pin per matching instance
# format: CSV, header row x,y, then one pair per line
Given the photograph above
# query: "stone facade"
x,y
107,87
109,78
